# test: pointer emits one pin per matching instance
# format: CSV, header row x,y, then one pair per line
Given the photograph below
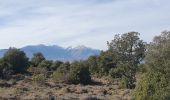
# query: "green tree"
x,y
56,65
93,64
46,64
155,83
128,50
5,70
37,59
79,73
17,59
106,61
62,73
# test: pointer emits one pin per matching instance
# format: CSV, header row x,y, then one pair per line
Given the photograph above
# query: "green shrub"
x,y
155,83
93,65
37,59
62,73
115,73
37,70
17,59
152,86
5,70
79,73
39,79
45,64
60,77
56,65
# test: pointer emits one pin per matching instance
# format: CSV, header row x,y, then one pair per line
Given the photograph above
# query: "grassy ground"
x,y
26,89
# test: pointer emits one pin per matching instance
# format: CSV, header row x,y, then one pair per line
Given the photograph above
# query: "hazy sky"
x,y
79,22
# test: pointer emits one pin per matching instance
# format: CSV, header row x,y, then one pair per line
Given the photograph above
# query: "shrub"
x,y
5,70
79,73
155,83
37,70
152,86
115,73
39,79
17,59
37,59
60,77
55,65
45,64
93,65
62,73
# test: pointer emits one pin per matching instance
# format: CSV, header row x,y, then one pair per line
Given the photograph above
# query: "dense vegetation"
x,y
136,64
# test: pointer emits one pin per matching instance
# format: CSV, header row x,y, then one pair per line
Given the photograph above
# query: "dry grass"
x,y
25,90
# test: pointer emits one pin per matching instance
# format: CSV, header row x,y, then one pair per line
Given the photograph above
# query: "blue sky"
x,y
79,22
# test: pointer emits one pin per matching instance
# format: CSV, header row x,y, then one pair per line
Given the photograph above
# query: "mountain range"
x,y
55,52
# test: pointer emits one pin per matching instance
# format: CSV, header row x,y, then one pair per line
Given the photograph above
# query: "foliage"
x,y
37,59
5,70
45,64
79,73
125,52
93,65
128,47
115,73
75,73
39,79
154,85
56,65
37,70
17,59
106,61
62,73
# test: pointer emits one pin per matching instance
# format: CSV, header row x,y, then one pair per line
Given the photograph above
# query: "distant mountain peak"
x,y
81,47
55,52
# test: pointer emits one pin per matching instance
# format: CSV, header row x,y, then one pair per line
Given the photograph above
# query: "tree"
x,y
62,73
56,65
45,64
5,70
76,73
79,73
93,64
155,83
17,59
128,50
37,59
106,61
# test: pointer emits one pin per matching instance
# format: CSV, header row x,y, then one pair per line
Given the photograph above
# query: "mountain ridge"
x,y
55,52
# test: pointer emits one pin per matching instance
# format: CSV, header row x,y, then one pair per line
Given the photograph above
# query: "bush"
x,y
39,79
62,73
45,64
115,73
93,65
79,73
152,86
5,70
37,59
60,77
155,83
17,59
56,65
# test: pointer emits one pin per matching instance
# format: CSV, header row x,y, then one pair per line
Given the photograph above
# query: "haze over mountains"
x,y
55,52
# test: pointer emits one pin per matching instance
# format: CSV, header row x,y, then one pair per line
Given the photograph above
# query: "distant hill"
x,y
58,53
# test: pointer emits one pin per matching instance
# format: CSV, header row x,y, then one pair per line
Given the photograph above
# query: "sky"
x,y
79,22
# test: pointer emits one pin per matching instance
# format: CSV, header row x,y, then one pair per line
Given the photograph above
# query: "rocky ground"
x,y
26,89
